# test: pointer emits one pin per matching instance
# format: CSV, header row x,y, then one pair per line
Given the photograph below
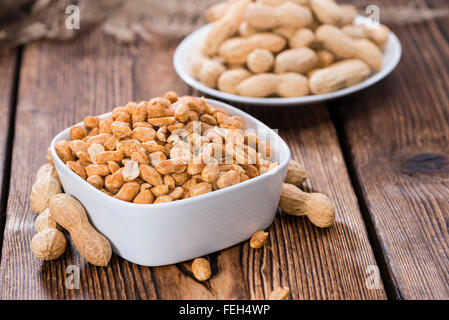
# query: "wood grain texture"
x,y
397,139
62,83
8,66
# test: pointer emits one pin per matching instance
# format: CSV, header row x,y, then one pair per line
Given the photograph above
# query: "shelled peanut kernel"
x,y
166,149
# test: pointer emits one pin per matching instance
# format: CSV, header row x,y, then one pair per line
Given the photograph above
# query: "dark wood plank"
x,y
8,79
397,139
62,83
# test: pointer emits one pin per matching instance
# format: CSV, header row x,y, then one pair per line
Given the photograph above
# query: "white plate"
x,y
392,55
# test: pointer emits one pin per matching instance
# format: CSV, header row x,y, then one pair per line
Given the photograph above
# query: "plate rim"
x,y
178,59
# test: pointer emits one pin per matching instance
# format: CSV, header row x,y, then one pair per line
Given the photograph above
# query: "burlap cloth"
x,y
22,21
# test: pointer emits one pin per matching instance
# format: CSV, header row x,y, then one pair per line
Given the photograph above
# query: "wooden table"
x,y
382,155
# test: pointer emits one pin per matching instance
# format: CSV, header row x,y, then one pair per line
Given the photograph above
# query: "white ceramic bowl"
x,y
392,55
167,233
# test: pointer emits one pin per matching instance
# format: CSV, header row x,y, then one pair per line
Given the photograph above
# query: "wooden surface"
x,y
396,137
385,150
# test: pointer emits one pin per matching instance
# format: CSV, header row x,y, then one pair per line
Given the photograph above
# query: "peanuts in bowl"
x,y
164,150
178,183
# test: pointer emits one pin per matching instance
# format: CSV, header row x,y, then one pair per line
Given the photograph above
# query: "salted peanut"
x,y
150,175
129,146
78,169
161,134
258,239
177,193
96,180
121,129
175,127
160,190
106,191
170,166
250,170
318,208
163,199
229,178
234,121
45,221
63,151
122,116
209,119
200,188
201,269
180,178
325,58
196,166
140,113
157,107
145,186
279,294
131,170
78,146
141,124
48,244
210,172
104,157
193,115
91,122
265,149
77,133
304,37
181,112
111,143
128,191
83,159
92,133
156,157
100,138
171,96
167,148
170,182
99,169
113,166
140,157
93,150
164,121
105,125
144,197
144,134
115,180
130,107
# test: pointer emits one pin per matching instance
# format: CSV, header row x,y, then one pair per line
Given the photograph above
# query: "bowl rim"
x,y
283,147
178,63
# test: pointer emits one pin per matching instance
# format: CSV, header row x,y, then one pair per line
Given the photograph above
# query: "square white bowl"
x,y
167,233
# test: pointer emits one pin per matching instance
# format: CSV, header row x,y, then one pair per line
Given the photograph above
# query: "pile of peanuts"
x,y
286,48
165,149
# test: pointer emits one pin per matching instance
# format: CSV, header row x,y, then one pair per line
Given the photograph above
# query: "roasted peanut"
x,y
44,187
48,244
201,269
70,214
316,206
258,239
